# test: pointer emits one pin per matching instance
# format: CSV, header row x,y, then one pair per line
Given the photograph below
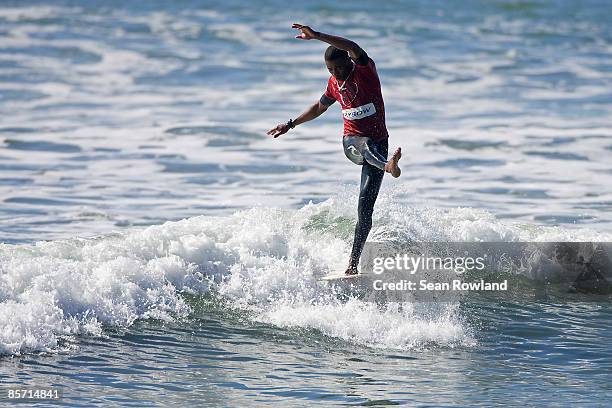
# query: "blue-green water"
x,y
526,353
118,120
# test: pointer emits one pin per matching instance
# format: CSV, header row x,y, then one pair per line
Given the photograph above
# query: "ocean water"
x,y
156,247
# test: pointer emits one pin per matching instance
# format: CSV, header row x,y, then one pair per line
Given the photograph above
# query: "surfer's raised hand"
x,y
279,129
306,33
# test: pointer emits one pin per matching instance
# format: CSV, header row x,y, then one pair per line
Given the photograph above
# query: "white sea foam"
x,y
264,261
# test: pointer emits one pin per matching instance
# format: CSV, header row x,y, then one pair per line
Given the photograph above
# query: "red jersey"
x,y
361,100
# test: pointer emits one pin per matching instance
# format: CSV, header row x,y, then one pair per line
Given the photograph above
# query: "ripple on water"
x,y
18,130
467,144
15,181
557,155
217,136
520,192
71,55
563,218
37,201
468,162
256,168
41,146
23,95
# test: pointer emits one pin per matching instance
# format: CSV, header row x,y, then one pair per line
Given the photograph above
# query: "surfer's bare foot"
x,y
351,270
391,166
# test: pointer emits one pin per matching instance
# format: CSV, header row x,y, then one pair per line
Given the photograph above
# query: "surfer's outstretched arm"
x,y
307,33
313,112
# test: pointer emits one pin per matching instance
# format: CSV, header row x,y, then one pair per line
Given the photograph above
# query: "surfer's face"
x,y
340,68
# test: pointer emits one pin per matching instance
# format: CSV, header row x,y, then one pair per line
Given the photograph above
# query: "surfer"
x,y
355,85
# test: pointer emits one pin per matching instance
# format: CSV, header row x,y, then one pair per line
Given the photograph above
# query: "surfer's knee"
x,y
353,149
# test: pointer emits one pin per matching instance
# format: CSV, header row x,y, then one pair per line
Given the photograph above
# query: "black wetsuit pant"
x,y
372,156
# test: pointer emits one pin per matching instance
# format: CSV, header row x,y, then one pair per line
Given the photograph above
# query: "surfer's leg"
x,y
371,179
372,155
360,149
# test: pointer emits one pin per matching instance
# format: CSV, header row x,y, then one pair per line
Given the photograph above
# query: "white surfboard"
x,y
339,276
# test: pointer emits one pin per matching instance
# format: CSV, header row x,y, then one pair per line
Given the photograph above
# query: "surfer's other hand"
x,y
278,130
306,33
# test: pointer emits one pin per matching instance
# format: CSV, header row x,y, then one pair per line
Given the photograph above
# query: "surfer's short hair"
x,y
332,53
